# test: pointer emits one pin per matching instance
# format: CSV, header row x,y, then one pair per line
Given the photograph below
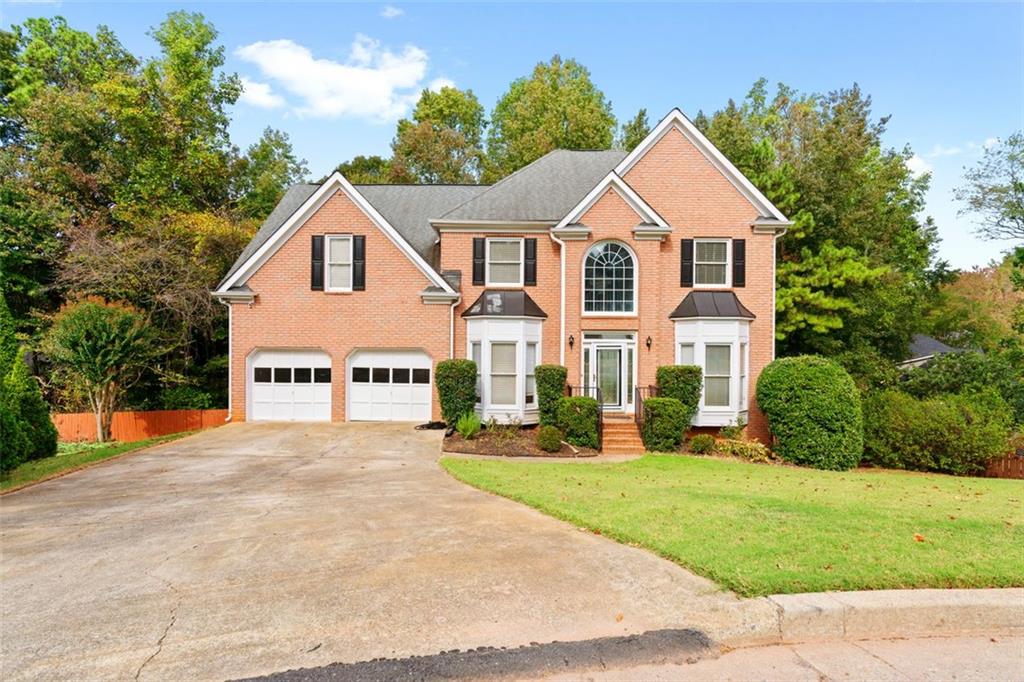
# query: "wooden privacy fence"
x,y
1011,466
132,426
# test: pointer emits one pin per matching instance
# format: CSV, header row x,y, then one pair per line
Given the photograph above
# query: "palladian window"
x,y
609,279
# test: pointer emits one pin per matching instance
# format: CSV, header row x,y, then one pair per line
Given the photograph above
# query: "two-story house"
x,y
608,263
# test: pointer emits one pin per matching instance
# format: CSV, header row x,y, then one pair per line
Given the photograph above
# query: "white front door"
x,y
608,365
289,385
389,385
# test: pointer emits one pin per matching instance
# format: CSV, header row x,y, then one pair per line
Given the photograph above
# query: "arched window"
x,y
609,279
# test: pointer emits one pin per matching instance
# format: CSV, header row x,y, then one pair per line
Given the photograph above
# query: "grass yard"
x,y
759,529
71,457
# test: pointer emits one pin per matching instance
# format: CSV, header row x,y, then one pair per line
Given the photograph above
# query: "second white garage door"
x,y
389,386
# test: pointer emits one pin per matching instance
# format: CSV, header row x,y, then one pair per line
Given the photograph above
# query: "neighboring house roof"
x,y
543,191
710,304
922,347
492,303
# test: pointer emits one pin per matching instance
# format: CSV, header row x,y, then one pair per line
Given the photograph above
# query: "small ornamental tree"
x,y
814,412
665,422
32,412
13,439
577,417
456,388
101,348
550,387
684,383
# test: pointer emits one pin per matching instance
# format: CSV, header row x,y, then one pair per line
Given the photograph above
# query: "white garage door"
x,y
389,386
290,385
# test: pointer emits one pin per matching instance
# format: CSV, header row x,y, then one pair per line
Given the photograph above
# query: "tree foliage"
x,y
267,169
366,170
634,131
442,142
993,190
556,107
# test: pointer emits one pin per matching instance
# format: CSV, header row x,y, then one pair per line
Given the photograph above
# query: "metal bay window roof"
x,y
494,303
711,304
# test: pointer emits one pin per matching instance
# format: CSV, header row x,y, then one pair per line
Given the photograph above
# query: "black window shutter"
x,y
479,245
358,263
686,263
739,262
530,263
317,264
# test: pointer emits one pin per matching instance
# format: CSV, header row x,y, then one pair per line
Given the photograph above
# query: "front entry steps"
x,y
621,436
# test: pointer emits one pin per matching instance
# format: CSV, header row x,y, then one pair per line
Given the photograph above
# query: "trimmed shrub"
x,y
953,434
577,417
969,372
13,441
751,450
684,383
456,388
26,402
549,438
550,387
665,422
813,411
468,425
702,443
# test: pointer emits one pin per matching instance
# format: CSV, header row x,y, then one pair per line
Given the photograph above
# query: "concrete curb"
x,y
884,614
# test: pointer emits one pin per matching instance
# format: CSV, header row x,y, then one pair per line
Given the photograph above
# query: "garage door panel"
x,y
382,386
287,385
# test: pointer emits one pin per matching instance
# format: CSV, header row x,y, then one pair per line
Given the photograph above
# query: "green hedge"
x,y
970,373
665,422
14,445
577,417
456,388
684,383
953,434
550,387
549,438
814,412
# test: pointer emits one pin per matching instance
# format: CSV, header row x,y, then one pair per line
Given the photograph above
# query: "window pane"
x,y
261,375
711,252
400,375
340,251
282,375
505,251
531,357
503,273
381,375
421,376
360,375
340,276
717,362
475,352
608,284
303,375
709,274
531,389
716,391
686,354
503,390
322,375
503,358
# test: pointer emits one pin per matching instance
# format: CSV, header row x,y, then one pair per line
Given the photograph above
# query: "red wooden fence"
x,y
1011,466
132,426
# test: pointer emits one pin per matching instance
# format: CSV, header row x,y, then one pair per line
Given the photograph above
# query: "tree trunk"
x,y
97,408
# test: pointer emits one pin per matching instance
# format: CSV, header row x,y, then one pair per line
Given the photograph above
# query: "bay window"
x,y
503,374
717,375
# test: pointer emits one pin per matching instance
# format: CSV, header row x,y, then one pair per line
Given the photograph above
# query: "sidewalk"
x,y
931,660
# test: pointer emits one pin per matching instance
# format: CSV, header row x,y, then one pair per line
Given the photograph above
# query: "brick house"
x,y
608,263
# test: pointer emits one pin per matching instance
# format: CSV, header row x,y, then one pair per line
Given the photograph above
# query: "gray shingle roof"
x,y
922,346
543,191
710,304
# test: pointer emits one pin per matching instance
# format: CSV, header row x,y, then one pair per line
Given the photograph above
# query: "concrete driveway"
x,y
256,548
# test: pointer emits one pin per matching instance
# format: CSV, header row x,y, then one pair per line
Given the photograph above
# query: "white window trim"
x,y
731,377
516,373
728,262
636,283
530,372
327,261
522,262
479,369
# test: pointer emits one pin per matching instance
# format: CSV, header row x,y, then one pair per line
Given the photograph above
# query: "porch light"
x,y
648,342
572,340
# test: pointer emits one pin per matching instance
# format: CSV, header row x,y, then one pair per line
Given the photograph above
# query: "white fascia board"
x,y
336,182
613,181
676,119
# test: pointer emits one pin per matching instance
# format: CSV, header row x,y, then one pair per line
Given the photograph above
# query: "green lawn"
x,y
759,529
72,456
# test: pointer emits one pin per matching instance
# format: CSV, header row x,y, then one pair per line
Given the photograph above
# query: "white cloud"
x,y
918,166
259,95
990,142
438,83
390,12
941,150
373,82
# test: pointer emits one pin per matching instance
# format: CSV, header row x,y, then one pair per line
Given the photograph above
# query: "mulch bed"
x,y
521,443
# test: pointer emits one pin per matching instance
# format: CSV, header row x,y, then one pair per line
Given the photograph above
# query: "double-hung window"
x,y
711,263
503,373
339,262
717,374
505,262
531,382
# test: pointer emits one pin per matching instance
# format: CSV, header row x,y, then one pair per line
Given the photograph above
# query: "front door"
x,y
608,359
609,376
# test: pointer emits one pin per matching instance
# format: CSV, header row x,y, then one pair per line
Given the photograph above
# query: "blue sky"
x,y
336,76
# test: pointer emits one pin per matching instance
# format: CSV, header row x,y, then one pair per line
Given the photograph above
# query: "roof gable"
x,y
614,183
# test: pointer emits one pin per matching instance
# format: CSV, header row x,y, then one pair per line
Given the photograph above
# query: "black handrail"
x,y
642,393
591,392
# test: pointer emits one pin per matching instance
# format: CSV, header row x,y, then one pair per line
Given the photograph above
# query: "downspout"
x,y
451,328
228,418
561,303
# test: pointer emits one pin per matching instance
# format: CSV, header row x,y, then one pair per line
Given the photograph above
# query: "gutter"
x,y
561,302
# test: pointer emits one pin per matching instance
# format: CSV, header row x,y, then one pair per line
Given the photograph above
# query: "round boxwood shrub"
x,y
456,388
682,382
549,438
550,387
665,422
702,443
813,411
577,417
